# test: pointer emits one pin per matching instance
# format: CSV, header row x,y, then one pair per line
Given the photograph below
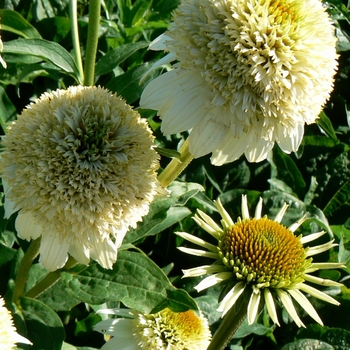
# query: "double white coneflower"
x,y
80,168
248,73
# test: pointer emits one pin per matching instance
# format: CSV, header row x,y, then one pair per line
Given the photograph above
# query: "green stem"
x,y
75,37
23,269
49,280
92,39
230,323
176,166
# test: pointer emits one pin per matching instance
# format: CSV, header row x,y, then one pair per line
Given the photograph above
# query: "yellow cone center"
x,y
263,253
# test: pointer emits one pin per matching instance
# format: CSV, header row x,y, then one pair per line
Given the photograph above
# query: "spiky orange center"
x,y
264,253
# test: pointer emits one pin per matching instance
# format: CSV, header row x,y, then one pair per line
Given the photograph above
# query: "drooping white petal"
x,y
212,280
321,281
53,252
80,253
320,248
253,305
231,298
291,142
105,253
158,43
288,304
9,206
26,227
316,293
258,151
305,304
270,305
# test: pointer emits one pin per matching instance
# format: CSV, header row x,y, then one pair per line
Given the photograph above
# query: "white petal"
x,y
213,280
270,305
258,209
258,150
312,237
196,240
158,44
198,252
305,304
53,252
205,136
321,281
118,327
105,253
26,226
297,224
80,253
224,214
244,207
316,293
230,149
253,306
288,304
9,206
231,297
290,142
204,270
281,213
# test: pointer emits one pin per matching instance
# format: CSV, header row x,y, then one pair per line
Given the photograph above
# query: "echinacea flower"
x,y
248,73
164,330
80,166
263,256
8,334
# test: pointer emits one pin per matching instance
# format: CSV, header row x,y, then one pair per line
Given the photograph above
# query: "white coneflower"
x,y
249,73
8,334
264,256
80,166
164,330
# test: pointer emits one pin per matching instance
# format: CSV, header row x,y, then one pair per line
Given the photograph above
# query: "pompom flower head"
x,y
80,166
249,73
263,256
160,331
8,334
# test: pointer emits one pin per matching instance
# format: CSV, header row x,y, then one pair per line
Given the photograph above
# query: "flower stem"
x,y
23,269
176,166
230,323
92,39
75,37
49,280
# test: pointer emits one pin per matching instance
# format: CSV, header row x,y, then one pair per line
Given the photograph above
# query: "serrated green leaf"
x,y
13,22
134,280
46,50
128,84
113,58
41,320
326,125
308,344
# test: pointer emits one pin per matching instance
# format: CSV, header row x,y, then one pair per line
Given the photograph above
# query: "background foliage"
x,y
147,276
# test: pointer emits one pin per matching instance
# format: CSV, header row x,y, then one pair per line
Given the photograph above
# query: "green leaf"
x,y
287,171
46,50
165,211
8,111
341,7
13,22
139,10
134,280
45,329
128,84
113,58
309,344
338,338
340,200
326,125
